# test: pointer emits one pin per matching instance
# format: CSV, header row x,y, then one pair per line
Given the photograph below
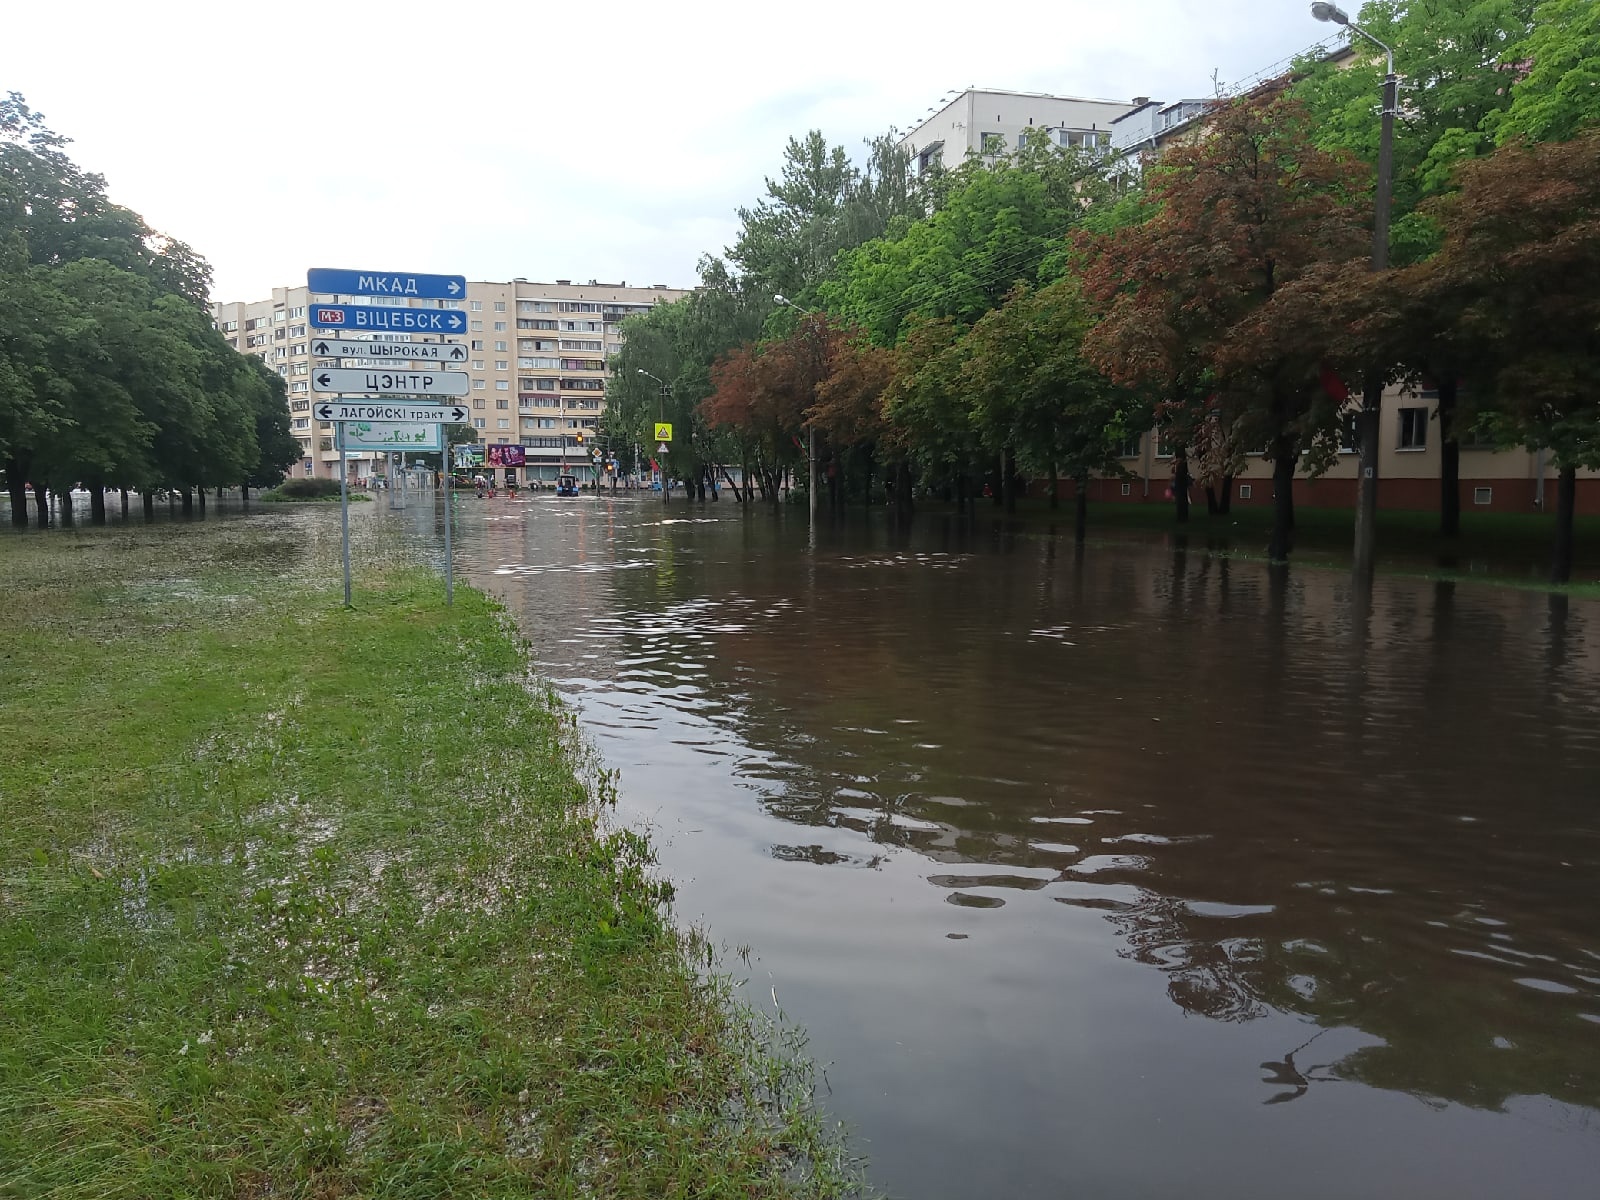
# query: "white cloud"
x,y
611,140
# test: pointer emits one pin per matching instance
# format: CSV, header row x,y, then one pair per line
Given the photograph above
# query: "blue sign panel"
x,y
389,320
330,281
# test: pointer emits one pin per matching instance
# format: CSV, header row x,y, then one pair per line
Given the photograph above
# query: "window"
x,y
524,305
479,423
296,313
477,344
499,306
478,385
579,344
302,422
1350,432
477,402
1413,429
477,327
505,403
502,385
499,347
1130,447
307,467
477,364
1127,489
992,143
503,423
499,364
297,388
547,422
476,305
1482,495
582,385
300,349
1164,448
1245,491
544,385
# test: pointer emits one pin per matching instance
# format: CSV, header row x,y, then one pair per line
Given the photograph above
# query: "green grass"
x,y
304,901
1510,549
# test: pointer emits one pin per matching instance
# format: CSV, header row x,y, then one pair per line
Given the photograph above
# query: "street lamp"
x,y
666,390
811,429
1372,386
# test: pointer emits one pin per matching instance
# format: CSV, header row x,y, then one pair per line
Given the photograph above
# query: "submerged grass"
x,y
304,901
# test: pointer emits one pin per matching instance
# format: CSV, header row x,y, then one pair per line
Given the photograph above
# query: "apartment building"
x,y
993,122
537,354
1410,464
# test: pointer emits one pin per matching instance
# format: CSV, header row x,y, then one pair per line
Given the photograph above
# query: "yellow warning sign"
x,y
663,431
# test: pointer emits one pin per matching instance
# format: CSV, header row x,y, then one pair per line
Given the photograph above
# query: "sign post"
x,y
413,390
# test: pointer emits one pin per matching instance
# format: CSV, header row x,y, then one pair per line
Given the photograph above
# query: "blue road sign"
x,y
361,317
330,281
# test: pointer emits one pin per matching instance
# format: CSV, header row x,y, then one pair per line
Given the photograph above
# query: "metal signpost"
x,y
425,352
414,376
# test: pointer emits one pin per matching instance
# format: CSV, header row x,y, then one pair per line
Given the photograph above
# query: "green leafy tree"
x,y
1227,288
1557,70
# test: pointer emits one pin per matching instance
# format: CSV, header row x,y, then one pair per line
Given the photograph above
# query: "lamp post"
x,y
811,432
1372,385
666,390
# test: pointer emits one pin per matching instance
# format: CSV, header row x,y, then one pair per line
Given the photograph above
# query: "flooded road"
x,y
1135,873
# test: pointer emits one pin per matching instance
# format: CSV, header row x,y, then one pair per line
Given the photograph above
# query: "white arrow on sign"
x,y
397,410
347,380
433,352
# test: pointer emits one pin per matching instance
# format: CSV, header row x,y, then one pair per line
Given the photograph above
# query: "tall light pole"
x,y
661,398
1372,384
811,432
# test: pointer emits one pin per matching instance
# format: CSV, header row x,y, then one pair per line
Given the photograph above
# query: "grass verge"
x,y
304,901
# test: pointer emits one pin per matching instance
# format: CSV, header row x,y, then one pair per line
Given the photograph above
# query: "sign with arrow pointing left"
x,y
394,382
402,411
433,352
330,281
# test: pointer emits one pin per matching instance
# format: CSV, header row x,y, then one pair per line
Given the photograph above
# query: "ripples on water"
x,y
1354,845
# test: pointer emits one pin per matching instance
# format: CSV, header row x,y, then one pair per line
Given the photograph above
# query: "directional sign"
x,y
345,380
382,319
663,431
332,282
388,435
412,411
433,352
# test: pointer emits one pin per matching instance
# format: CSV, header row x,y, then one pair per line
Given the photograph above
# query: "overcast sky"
x,y
603,139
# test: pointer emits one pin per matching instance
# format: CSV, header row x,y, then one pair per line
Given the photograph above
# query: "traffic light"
x,y
580,437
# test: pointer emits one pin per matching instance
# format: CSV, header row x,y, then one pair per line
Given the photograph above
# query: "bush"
x,y
307,489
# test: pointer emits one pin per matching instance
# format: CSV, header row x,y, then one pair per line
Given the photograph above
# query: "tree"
x,y
1520,265
1226,289
1556,66
1036,402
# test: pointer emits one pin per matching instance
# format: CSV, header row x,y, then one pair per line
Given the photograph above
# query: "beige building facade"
x,y
1410,466
537,355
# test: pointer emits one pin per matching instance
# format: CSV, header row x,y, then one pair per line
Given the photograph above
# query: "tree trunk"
x,y
244,493
219,493
1225,504
41,502
123,495
1008,479
186,495
1055,486
64,503
1566,503
1180,485
147,498
200,495
1212,507
904,489
1449,462
97,502
17,485
1080,516
1284,457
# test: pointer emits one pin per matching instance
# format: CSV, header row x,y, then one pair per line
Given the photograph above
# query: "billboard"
x,y
505,456
468,456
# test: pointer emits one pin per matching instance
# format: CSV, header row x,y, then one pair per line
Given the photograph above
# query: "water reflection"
x,y
1348,837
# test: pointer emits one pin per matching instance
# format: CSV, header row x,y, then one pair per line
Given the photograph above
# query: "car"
x,y
567,485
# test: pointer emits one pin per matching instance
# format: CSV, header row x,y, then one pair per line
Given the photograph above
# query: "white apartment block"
x,y
537,354
993,122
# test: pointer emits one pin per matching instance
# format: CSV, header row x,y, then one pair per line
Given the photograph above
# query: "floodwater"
x,y
1135,873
